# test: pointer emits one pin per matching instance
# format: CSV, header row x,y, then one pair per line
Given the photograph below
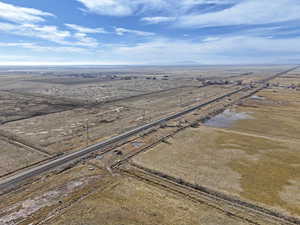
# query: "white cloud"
x,y
108,7
246,12
158,19
59,49
36,47
49,33
184,12
270,31
16,44
15,61
20,14
84,40
209,39
121,31
218,50
243,46
129,7
86,30
26,24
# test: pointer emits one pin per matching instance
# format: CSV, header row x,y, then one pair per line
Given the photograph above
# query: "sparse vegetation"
x,y
254,159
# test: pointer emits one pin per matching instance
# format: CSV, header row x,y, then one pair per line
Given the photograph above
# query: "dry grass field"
x,y
249,152
276,115
65,131
15,157
17,106
84,196
256,159
133,202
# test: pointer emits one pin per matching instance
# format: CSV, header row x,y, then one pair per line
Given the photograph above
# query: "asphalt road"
x,y
13,180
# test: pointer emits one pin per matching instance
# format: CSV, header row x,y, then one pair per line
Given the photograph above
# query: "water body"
x,y
255,97
227,119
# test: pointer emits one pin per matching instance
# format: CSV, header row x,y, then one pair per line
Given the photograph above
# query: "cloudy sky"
x,y
153,32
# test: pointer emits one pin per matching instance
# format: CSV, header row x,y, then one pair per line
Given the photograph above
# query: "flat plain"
x,y
243,146
255,158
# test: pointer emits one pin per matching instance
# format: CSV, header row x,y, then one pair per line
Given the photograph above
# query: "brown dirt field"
x,y
16,106
261,166
61,132
83,195
14,157
228,162
132,202
35,202
256,159
277,115
289,79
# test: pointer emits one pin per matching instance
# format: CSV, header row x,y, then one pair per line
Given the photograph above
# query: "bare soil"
x,y
256,159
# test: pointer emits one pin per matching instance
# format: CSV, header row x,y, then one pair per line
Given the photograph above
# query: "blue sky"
x,y
153,32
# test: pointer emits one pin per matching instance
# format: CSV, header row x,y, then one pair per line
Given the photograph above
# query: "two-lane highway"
x,y
83,152
15,179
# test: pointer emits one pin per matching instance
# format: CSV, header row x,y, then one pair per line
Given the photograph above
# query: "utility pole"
x,y
144,115
180,101
87,132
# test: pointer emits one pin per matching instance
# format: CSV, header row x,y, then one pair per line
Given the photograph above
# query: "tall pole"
x,y
144,115
87,132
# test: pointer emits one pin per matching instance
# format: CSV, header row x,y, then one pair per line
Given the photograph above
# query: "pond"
x,y
227,118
